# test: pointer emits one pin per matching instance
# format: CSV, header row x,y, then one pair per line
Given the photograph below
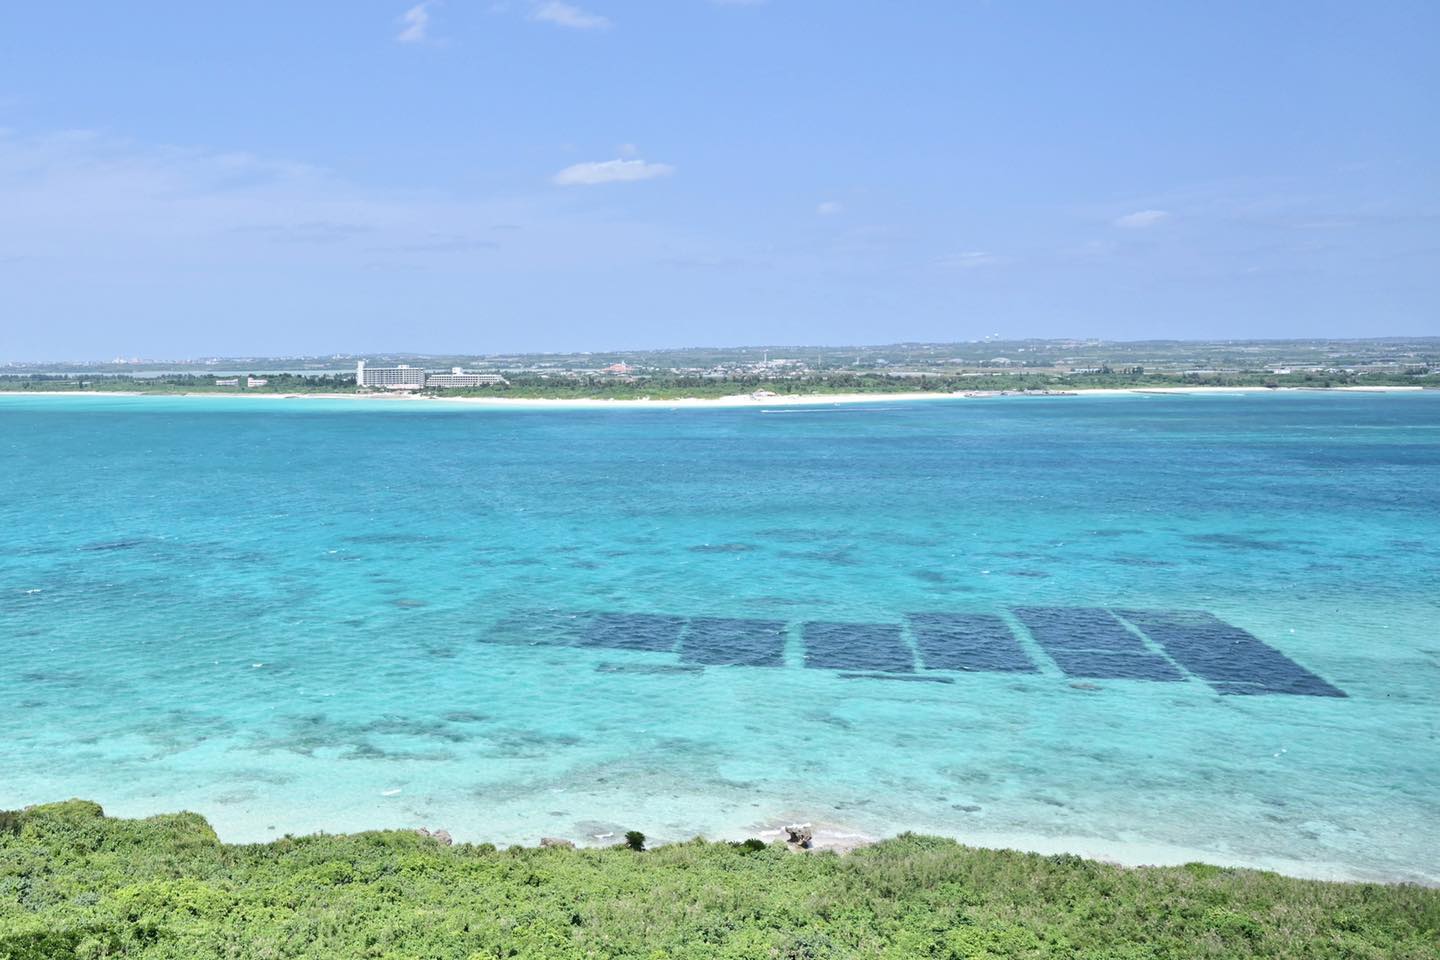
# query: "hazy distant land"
x,y
737,373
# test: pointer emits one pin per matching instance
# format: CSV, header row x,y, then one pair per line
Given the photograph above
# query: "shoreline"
x,y
734,401
842,839
1121,853
829,835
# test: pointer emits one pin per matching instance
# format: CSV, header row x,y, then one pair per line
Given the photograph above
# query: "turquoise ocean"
x,y
1149,628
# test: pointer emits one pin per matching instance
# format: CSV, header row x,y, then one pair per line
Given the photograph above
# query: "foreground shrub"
x,y
74,883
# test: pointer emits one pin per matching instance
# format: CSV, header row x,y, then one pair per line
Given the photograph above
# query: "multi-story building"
x,y
402,377
416,378
458,377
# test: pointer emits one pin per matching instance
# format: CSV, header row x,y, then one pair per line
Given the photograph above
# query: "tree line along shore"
x,y
77,884
667,387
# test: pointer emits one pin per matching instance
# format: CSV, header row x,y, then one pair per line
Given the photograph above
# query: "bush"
x,y
75,884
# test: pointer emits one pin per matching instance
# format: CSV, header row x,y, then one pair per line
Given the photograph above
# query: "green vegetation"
x,y
701,372
175,383
76,884
675,387
669,387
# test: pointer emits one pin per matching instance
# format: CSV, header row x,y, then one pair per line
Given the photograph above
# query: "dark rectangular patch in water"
x,y
1231,659
1079,628
632,631
1101,665
721,641
968,641
1308,686
857,646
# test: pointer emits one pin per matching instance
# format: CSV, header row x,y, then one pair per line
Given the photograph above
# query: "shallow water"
x,y
1154,628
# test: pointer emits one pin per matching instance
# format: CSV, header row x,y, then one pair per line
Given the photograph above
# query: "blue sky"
x,y
181,179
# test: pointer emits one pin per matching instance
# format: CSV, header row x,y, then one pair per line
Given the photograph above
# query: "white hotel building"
x,y
405,377
402,377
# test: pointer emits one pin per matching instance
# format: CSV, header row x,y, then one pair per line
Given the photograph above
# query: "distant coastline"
x,y
733,401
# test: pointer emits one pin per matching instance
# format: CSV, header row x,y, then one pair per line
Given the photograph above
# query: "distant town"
x,y
987,364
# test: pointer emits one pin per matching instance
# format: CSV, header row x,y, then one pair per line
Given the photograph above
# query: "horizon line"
x,y
347,356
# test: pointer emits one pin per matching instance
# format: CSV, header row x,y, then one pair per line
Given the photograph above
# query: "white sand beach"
x,y
733,401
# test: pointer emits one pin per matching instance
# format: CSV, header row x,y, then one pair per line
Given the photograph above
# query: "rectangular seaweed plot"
x,y
857,646
1091,643
968,641
1099,665
632,631
1232,660
1080,628
722,641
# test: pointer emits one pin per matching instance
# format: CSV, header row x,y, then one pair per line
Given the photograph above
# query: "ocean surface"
x,y
1151,628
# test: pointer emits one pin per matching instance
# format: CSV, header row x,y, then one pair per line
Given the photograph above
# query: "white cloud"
x,y
611,171
569,15
1141,219
828,208
125,214
415,24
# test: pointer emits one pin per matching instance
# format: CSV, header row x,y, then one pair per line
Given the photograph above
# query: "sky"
x,y
182,179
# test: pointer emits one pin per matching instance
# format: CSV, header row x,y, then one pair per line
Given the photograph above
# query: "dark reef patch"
x,y
464,716
109,545
1236,541
1135,560
723,548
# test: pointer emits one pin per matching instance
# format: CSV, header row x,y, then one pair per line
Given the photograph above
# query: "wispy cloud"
x,y
829,208
415,24
100,224
309,231
568,15
1141,219
970,260
79,198
445,243
611,171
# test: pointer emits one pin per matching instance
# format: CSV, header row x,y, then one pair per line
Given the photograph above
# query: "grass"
x,y
74,883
